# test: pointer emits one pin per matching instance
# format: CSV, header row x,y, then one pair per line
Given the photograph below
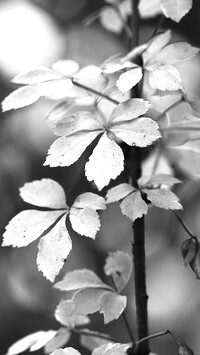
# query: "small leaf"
x,y
163,198
149,9
105,163
119,266
67,150
112,349
66,314
112,305
87,301
157,179
85,221
27,226
129,79
91,200
166,78
142,131
61,338
189,249
176,52
54,248
44,193
66,351
155,45
133,206
175,9
32,341
36,76
129,109
110,19
91,342
118,192
79,279
66,67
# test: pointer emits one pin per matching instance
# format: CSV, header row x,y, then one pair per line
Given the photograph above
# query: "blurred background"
x,y
38,33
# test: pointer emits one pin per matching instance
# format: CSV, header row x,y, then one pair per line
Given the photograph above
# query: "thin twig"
x,y
183,224
152,336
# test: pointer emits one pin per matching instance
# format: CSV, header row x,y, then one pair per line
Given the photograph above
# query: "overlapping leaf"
x,y
156,188
119,266
55,243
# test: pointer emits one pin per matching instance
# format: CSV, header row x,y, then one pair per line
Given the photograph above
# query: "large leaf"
x,y
112,305
66,67
119,266
66,150
61,338
176,52
141,132
32,341
21,97
27,226
112,349
105,163
89,199
85,221
129,109
44,193
165,77
155,46
118,192
157,179
129,79
79,279
133,206
175,9
36,76
66,314
54,248
163,198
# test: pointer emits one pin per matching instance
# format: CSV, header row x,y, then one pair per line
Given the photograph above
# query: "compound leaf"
x,y
85,221
66,150
119,266
44,193
105,163
27,226
54,248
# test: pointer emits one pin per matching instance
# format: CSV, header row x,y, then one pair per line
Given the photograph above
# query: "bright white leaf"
x,y
36,76
85,221
44,193
79,279
66,351
87,301
163,198
54,248
31,341
141,132
125,8
112,305
149,9
66,314
119,266
92,342
61,338
119,192
157,179
56,89
105,163
133,206
114,64
175,9
27,226
128,110
89,199
175,53
112,349
155,45
21,97
89,72
66,150
129,79
166,78
110,19
66,67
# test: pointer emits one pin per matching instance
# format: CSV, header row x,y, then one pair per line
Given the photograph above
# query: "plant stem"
x,y
184,225
94,334
104,96
152,336
138,246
